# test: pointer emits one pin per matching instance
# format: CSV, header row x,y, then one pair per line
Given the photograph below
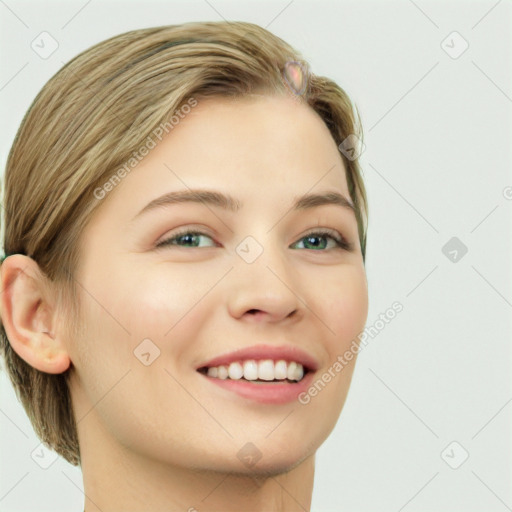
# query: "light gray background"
x,y
436,166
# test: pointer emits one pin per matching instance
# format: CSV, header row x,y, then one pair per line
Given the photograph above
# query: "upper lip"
x,y
261,352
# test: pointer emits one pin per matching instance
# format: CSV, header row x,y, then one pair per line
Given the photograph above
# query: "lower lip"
x,y
270,393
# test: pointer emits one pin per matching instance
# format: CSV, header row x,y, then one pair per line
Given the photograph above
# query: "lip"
x,y
260,352
265,393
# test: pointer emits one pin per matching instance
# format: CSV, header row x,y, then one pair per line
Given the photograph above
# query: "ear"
x,y
29,316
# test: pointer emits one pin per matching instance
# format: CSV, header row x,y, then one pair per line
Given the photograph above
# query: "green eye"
x,y
339,241
188,238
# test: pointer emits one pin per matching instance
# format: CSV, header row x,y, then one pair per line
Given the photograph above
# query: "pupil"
x,y
313,238
187,238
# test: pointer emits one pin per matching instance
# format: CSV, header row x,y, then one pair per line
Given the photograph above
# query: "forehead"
x,y
262,150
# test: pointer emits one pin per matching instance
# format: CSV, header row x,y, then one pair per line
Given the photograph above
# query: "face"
x,y
174,289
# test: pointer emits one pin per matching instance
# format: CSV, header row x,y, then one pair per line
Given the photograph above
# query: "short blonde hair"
x,y
85,124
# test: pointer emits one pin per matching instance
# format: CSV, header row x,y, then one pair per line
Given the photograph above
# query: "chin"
x,y
276,460
261,470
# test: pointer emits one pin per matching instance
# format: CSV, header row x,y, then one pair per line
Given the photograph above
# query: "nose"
x,y
265,290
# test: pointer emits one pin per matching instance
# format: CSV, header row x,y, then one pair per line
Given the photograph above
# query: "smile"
x,y
261,373
266,370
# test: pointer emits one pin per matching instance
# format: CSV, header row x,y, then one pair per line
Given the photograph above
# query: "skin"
x,y
161,436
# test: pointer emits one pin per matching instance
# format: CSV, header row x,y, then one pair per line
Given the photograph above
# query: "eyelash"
x,y
341,242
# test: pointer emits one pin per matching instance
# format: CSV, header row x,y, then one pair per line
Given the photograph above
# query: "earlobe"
x,y
42,353
28,315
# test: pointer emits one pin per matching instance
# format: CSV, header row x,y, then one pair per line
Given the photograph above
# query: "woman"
x,y
185,232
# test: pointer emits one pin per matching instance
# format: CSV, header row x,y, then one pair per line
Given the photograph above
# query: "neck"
x,y
134,485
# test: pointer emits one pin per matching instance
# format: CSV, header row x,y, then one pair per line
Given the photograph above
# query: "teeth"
x,y
235,371
299,372
266,370
250,370
292,369
280,370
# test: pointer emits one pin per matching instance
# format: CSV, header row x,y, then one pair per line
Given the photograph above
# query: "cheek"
x,y
136,305
163,303
346,306
344,310
163,314
126,393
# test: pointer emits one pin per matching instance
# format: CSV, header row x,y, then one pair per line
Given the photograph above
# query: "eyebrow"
x,y
227,202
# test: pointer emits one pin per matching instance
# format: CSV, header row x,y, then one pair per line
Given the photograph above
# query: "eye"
x,y
338,240
189,238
